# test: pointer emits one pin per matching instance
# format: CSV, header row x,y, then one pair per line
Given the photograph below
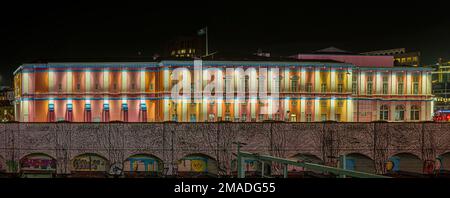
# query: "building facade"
x,y
295,91
441,85
401,56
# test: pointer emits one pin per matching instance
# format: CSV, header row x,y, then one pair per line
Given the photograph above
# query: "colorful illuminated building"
x,y
298,90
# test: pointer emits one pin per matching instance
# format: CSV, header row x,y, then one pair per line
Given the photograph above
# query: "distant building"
x,y
380,90
401,56
186,46
6,104
441,85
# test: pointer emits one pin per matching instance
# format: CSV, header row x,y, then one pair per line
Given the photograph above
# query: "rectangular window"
x,y
340,104
340,88
294,103
308,117
416,88
78,86
261,117
354,88
369,88
415,114
323,88
323,103
385,88
294,84
400,88
340,76
324,117
193,118
309,87
338,117
227,107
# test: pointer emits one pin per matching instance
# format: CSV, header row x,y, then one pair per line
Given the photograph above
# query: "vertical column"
x,y
424,83
286,80
69,83
24,109
236,108
362,83
392,111
166,79
349,77
429,83
205,109
423,110
332,109
142,80
377,111
286,108
316,109
166,109
349,110
393,83
302,79
270,107
407,111
88,80
124,80
379,82
302,110
253,108
317,80
105,80
408,83
51,81
25,83
333,80
184,110
430,110
219,108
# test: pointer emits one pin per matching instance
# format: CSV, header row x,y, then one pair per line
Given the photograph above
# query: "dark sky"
x,y
30,31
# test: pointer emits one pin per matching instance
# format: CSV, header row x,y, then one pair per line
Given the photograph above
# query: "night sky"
x,y
30,31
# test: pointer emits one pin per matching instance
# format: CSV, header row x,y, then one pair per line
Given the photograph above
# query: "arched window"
x,y
415,112
384,112
399,113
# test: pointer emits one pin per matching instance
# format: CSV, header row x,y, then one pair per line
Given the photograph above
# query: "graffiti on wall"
x,y
89,162
142,163
37,162
193,164
250,165
2,164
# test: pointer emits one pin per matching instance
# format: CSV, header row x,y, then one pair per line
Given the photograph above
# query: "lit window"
x,y
308,87
324,117
340,88
399,113
323,88
415,112
384,112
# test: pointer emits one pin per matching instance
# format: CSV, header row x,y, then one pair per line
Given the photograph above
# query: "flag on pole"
x,y
202,31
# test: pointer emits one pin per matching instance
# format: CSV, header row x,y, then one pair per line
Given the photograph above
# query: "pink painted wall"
x,y
358,60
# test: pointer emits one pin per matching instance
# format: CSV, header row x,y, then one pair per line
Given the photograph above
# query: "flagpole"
x,y
207,52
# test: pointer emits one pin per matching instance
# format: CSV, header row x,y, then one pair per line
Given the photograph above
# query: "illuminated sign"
x,y
442,99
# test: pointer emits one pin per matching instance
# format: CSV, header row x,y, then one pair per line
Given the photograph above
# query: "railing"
x,y
315,167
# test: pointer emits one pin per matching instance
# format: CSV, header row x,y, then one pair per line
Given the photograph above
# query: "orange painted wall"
x,y
41,82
